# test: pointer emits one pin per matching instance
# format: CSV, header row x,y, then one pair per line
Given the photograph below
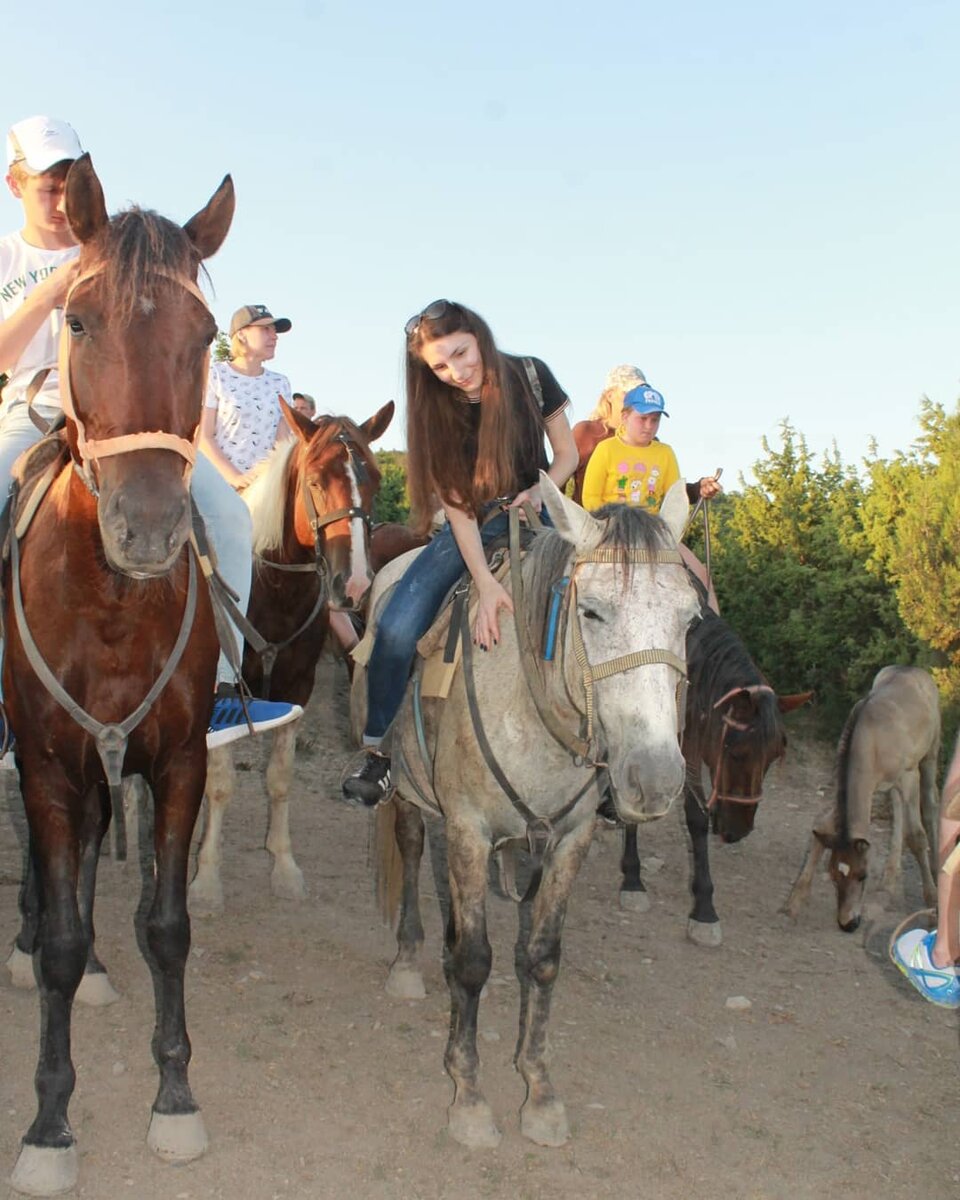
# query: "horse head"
x,y
339,479
630,605
848,864
133,361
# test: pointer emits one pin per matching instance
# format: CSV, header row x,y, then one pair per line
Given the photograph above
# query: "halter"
x,y
90,451
741,726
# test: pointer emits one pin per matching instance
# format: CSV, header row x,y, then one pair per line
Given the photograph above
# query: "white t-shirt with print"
x,y
248,412
22,268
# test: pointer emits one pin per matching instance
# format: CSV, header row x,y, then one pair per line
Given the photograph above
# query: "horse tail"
x,y
843,765
387,863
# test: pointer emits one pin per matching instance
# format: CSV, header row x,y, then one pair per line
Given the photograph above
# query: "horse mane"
x,y
266,499
133,247
624,527
266,496
842,763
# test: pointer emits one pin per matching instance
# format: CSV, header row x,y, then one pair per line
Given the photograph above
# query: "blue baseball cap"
x,y
645,399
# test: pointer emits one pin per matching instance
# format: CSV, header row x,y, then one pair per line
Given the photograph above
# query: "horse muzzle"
x,y
645,784
143,526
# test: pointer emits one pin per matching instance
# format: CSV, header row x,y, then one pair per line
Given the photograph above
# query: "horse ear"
x,y
825,828
675,509
302,426
573,523
376,425
83,200
207,228
787,704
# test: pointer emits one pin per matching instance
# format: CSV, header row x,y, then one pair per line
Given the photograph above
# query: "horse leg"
x,y
20,962
930,804
206,890
899,799
801,887
917,840
95,988
703,924
286,881
542,1116
405,981
176,1132
47,1163
466,962
633,895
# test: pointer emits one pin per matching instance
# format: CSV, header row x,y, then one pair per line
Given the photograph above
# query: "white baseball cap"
x,y
40,143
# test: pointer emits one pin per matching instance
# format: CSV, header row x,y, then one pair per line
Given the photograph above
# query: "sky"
x,y
756,203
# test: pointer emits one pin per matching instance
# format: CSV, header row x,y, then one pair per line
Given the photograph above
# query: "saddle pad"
x,y
436,676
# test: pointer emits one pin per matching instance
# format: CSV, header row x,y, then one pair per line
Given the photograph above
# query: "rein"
x,y
741,726
93,449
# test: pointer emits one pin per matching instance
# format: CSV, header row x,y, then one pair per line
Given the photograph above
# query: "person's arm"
x,y
564,460
19,329
493,595
595,477
210,449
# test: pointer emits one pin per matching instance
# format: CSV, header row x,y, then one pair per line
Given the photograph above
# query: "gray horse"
x,y
890,743
514,756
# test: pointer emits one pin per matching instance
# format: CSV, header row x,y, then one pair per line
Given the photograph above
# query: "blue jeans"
x,y
408,615
226,515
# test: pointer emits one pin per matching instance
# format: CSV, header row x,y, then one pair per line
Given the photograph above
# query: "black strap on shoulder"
x,y
534,381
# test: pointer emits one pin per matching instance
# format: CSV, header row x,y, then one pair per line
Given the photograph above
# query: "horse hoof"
x,y
96,991
287,884
20,966
405,983
473,1126
545,1124
177,1137
638,902
705,933
205,899
45,1170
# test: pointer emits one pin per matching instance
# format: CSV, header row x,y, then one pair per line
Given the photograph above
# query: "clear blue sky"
x,y
754,202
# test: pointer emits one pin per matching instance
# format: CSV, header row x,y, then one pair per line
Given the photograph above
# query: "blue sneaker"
x,y
911,953
228,722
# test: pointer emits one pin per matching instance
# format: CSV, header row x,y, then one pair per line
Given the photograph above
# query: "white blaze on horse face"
x,y
636,709
360,573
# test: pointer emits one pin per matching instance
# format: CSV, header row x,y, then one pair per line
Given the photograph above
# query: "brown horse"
x,y
734,728
890,743
311,515
101,680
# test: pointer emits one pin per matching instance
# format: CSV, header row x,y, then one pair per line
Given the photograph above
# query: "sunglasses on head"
x,y
433,312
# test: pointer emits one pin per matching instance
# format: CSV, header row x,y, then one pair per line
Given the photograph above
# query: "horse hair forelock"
x,y
625,528
133,247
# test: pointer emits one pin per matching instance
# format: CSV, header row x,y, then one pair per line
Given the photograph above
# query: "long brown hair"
x,y
446,463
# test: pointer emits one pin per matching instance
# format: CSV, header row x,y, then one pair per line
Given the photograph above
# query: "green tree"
x,y
221,347
790,562
392,502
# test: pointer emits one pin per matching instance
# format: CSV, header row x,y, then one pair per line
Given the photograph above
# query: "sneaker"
x,y
369,782
911,953
228,721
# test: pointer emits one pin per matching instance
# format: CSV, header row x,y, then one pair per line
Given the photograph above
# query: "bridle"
x,y
91,450
741,726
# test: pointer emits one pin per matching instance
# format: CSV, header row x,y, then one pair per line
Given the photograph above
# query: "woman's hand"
x,y
493,597
709,487
532,497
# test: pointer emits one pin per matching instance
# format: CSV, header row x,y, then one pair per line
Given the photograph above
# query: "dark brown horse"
x,y
134,666
734,728
311,516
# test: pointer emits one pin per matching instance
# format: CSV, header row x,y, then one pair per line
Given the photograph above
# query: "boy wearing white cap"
x,y
38,263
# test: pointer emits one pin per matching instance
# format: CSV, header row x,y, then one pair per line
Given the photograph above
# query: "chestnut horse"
x,y
734,728
111,647
311,515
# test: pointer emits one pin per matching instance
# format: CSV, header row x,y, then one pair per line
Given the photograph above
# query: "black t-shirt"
x,y
551,400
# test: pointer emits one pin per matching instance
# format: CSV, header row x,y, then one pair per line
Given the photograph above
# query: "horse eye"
x,y
590,614
75,326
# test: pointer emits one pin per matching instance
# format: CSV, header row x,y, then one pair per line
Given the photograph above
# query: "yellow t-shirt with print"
x,y
624,474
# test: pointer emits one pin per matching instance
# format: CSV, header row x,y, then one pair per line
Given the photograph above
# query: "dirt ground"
x,y
838,1080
